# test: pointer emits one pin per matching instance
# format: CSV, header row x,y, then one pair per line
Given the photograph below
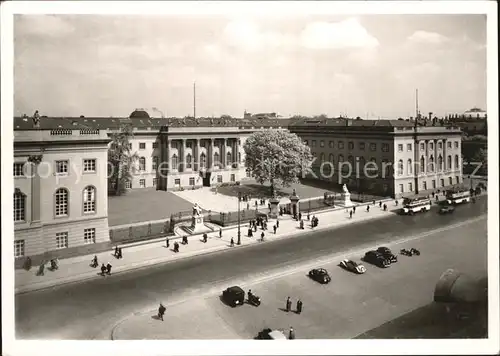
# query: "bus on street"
x,y
415,205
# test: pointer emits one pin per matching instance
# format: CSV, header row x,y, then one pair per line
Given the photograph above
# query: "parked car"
x,y
377,259
387,253
352,266
447,209
320,275
269,334
234,296
410,252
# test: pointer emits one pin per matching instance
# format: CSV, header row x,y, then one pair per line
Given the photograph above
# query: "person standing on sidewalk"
x,y
167,242
220,233
120,254
262,236
350,214
301,224
274,228
232,242
108,268
103,269
94,262
41,269
367,208
277,223
288,304
354,209
300,215
299,306
380,204
116,251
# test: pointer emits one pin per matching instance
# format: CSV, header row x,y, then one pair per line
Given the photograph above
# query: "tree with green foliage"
x,y
481,157
277,157
121,160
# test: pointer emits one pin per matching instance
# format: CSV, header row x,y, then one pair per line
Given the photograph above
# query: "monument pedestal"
x,y
197,226
346,199
274,208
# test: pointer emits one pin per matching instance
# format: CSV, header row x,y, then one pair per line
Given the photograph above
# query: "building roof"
x,y
140,121
343,122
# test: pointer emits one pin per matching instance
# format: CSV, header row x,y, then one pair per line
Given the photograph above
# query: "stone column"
x,y
196,155
210,155
182,156
223,153
445,158
169,154
235,153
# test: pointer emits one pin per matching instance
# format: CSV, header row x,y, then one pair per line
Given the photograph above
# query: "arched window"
x,y
449,162
229,158
62,202
216,159
19,206
431,163
175,161
189,161
341,158
457,162
409,167
89,199
331,158
400,167
203,160
440,162
322,157
142,164
422,164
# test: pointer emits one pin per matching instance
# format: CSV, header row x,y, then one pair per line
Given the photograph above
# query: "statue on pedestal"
x,y
196,210
344,189
346,196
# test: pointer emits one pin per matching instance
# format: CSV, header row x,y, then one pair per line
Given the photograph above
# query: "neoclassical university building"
x,y
60,164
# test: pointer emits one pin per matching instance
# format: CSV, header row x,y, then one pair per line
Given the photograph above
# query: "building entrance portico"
x,y
206,178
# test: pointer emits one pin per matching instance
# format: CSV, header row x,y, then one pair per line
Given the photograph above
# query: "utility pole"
x,y
416,146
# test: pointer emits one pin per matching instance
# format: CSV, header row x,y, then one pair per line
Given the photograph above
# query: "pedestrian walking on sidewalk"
x,y
300,216
27,263
250,232
94,262
205,238
232,242
116,251
368,208
41,269
288,304
220,233
103,269
108,268
277,223
397,202
301,224
385,207
380,204
299,306
350,214
291,334
262,236
120,254
274,228
161,311
167,242
354,209
176,247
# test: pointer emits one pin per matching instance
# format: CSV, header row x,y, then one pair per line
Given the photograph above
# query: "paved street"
x,y
89,309
348,306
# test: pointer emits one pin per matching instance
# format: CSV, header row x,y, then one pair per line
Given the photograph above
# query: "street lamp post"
x,y
239,231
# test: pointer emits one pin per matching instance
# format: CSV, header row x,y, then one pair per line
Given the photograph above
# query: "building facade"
x,y
384,157
60,195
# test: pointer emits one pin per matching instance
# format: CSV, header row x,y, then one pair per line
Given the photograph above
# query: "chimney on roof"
x,y
36,120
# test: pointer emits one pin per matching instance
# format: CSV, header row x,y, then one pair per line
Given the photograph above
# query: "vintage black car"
x,y
269,334
377,259
446,209
387,253
234,296
320,275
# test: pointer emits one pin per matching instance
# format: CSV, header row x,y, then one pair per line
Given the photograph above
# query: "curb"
x,y
211,250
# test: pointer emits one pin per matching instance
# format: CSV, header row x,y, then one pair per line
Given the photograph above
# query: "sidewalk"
x,y
147,254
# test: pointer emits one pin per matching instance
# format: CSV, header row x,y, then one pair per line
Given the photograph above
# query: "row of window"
x,y
177,181
60,167
350,145
433,184
430,165
189,144
189,160
61,203
61,241
373,146
431,146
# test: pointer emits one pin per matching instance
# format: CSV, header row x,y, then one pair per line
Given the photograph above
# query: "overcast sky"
x,y
98,65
